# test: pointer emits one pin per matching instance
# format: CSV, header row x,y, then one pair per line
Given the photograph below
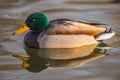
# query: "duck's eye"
x,y
32,20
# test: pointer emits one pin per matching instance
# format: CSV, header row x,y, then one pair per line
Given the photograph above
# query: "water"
x,y
14,12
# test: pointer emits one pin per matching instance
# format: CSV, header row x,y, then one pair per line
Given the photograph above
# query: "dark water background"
x,y
14,12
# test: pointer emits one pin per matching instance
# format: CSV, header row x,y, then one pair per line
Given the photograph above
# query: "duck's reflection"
x,y
40,59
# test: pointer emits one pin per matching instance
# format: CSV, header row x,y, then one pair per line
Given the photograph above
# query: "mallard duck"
x,y
61,33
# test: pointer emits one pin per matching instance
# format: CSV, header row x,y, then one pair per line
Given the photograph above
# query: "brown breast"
x,y
30,39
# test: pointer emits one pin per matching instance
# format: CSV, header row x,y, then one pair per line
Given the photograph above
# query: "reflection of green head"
x,y
36,68
37,22
36,64
33,64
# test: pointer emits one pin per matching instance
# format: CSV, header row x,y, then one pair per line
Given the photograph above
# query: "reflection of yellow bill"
x,y
24,59
21,30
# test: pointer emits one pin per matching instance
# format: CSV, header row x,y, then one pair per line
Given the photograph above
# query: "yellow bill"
x,y
21,30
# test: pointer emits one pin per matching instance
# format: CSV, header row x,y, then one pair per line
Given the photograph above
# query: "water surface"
x,y
14,12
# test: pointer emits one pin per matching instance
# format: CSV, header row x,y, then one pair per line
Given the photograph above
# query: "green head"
x,y
37,22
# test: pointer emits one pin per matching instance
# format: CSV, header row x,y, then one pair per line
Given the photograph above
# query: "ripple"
x,y
11,21
117,13
86,2
79,73
113,60
12,47
61,10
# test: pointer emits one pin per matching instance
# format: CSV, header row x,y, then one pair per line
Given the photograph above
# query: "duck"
x,y
61,33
